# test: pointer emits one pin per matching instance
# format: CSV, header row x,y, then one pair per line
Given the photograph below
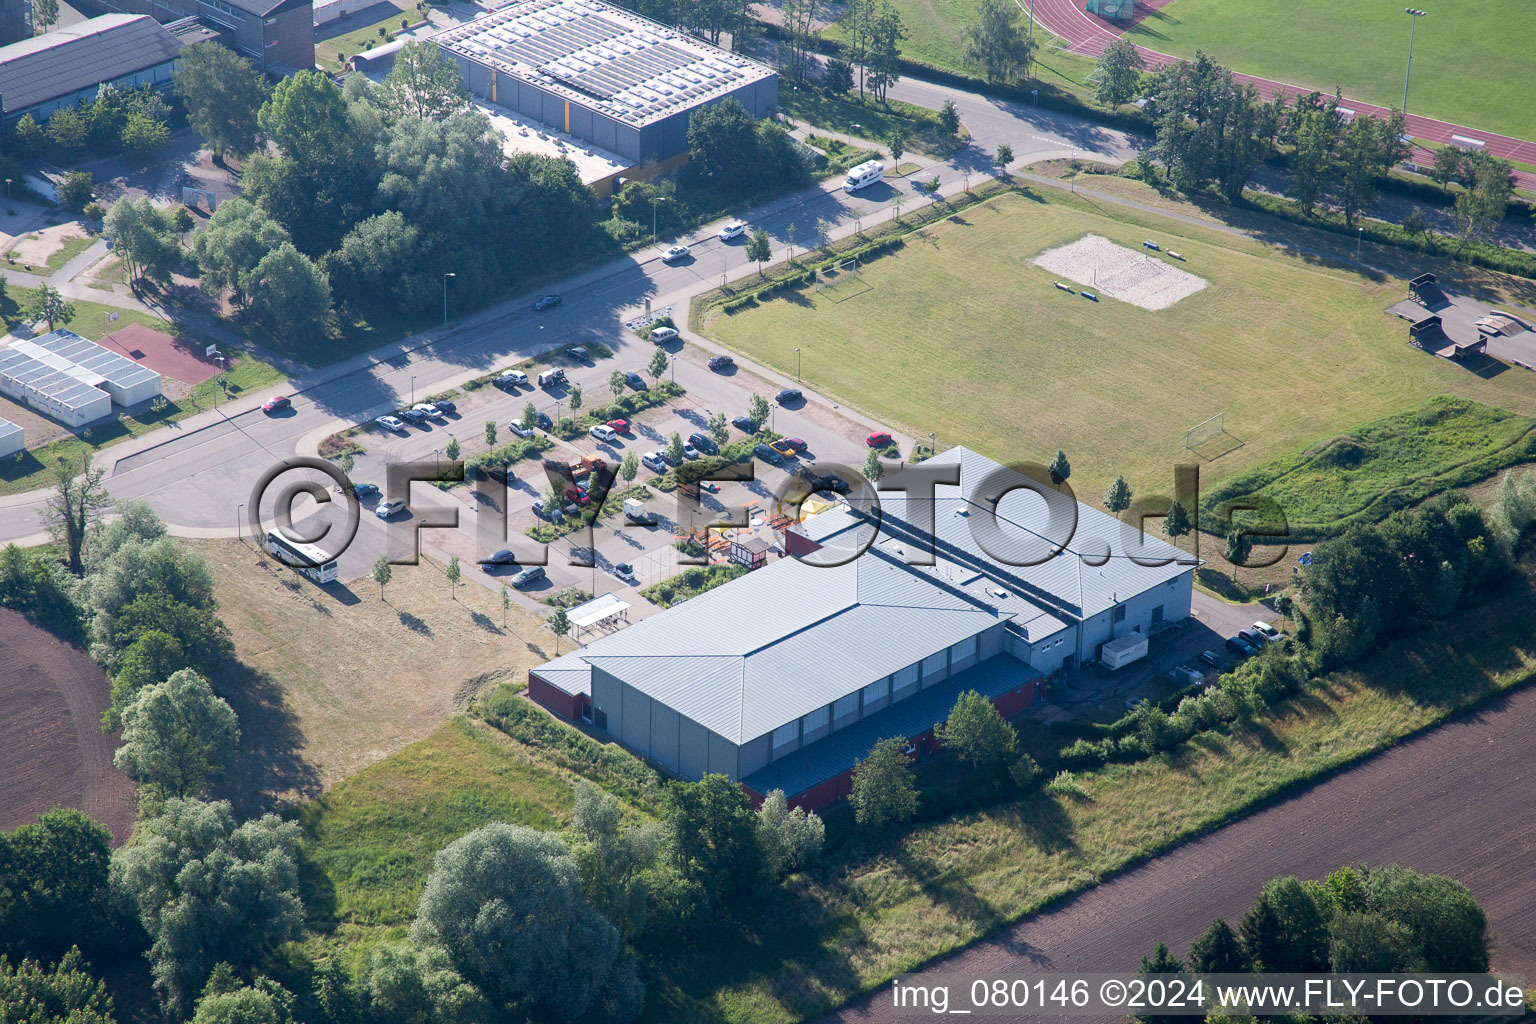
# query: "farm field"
x,y
959,334
1471,63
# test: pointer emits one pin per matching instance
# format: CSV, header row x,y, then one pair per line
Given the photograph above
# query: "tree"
x,y
977,734
27,138
884,792
759,248
629,466
997,43
530,418
424,83
1368,944
505,901
47,304
1239,545
1415,223
1004,157
722,139
896,141
182,220
238,237
208,890
1118,498
1218,951
53,887
178,736
757,410
658,364
789,838
406,983
882,60
1481,207
74,510
77,190
33,994
1160,962
575,395
44,14
490,433
559,624
306,117
452,573
1369,148
452,449
373,259
221,93
617,383
1176,523
67,129
874,468
150,659
1285,930
144,134
143,237
1314,126
1448,928
719,428
382,571
229,1002
949,118
1451,164
715,839
675,448
506,604
289,289
1120,67
837,77
1059,469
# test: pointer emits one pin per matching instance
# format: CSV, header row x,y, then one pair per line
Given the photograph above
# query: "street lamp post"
x,y
798,378
933,444
413,389
7,189
445,295
1413,20
239,533
1358,239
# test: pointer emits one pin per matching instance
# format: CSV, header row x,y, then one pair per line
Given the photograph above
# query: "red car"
x,y
619,426
276,403
572,494
796,444
879,439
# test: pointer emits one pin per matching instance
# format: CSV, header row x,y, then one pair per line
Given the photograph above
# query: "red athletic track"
x,y
1088,34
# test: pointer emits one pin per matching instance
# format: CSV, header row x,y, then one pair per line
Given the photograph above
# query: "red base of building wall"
x,y
557,700
1016,700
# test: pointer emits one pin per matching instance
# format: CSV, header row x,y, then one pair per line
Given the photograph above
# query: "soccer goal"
x,y
1209,438
843,281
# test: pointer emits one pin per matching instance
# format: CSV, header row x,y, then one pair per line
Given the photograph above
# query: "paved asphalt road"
x,y
1455,801
1088,34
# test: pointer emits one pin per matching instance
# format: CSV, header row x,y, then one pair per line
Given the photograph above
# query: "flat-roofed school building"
x,y
603,74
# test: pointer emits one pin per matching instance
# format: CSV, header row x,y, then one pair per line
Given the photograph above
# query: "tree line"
x,y
136,120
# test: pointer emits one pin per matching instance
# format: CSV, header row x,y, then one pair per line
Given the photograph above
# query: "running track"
x,y
1088,34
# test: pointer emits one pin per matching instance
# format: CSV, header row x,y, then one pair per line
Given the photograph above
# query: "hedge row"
x,y
801,278
507,454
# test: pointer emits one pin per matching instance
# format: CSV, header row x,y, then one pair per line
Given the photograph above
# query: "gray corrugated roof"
x,y
67,60
7,428
62,384
112,367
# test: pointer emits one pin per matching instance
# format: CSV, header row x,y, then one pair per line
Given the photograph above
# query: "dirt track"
x,y
1457,801
52,750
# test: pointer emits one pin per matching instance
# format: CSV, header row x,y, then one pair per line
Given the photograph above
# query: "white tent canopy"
x,y
601,610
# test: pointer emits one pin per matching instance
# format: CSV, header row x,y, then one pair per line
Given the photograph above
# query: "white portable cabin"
x,y
12,439
866,173
1123,650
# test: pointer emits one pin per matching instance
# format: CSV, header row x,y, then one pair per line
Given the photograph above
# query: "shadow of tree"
x,y
271,770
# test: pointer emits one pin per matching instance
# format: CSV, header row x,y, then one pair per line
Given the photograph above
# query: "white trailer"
x,y
1123,650
866,173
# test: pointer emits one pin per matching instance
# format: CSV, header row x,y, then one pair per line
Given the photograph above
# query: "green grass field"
x,y
960,334
1471,62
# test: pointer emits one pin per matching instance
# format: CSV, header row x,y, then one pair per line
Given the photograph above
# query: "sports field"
x,y
960,334
1472,62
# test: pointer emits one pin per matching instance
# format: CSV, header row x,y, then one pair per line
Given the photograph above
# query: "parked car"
x,y
446,405
654,461
721,362
1258,641
704,443
878,439
767,454
674,254
580,354
1131,703
626,572
1186,676
389,508
502,557
787,395
619,426
511,379
745,424
365,490
516,426
545,423
391,423
635,381
277,403
828,482
528,577
1214,660
413,415
603,432
539,509
662,335
428,410
796,444
783,449
552,378
1242,648
1267,631
547,302
690,452
735,229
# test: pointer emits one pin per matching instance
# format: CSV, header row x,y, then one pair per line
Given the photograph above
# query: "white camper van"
x,y
867,173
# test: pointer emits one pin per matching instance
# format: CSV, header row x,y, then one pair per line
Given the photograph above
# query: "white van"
x,y
550,378
867,173
662,335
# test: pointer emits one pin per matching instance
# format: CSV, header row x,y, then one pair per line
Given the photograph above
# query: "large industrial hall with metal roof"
x,y
784,678
602,74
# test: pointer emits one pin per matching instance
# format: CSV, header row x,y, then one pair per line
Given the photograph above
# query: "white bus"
x,y
308,559
867,173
